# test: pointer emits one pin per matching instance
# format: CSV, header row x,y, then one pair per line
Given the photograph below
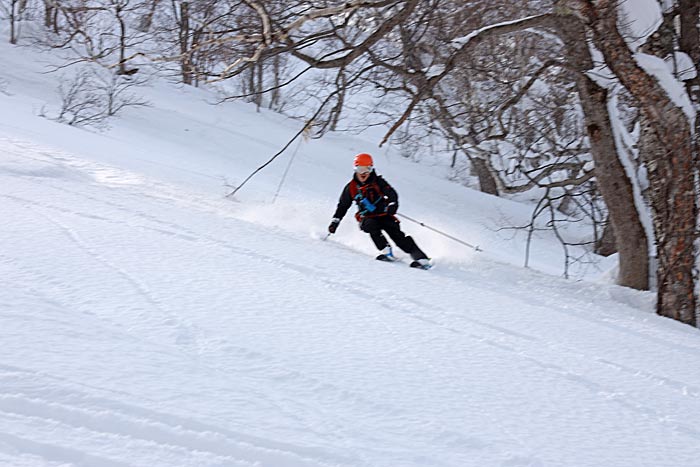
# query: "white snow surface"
x,y
675,89
461,42
146,320
640,18
682,65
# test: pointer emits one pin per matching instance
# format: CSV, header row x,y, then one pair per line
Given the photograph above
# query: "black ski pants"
x,y
389,224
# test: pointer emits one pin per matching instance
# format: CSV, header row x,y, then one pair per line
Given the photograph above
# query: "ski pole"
x,y
475,247
286,171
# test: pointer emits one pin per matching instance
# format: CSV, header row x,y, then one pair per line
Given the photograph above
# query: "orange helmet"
x,y
363,160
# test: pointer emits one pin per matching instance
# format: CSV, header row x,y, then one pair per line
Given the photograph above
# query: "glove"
x,y
391,208
334,225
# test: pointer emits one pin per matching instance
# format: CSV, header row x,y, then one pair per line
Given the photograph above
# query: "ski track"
x,y
50,408
151,434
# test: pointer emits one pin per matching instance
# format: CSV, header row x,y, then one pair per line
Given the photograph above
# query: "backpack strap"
x,y
353,188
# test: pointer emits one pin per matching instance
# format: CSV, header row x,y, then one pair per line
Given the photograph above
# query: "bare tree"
x,y
613,181
14,10
50,13
668,157
92,96
101,31
80,102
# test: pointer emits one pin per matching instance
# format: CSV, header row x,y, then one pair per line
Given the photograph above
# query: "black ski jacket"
x,y
376,190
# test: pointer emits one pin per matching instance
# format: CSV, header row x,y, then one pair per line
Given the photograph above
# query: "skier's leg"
x,y
374,229
391,226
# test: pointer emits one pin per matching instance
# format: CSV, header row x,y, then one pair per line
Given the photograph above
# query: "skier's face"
x,y
363,173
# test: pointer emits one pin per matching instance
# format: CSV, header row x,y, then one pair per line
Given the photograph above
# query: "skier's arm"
x,y
344,204
392,197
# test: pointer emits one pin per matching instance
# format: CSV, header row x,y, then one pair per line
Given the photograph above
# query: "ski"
x,y
418,265
387,258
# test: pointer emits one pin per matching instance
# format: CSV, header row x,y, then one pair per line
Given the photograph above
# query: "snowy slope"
x,y
147,321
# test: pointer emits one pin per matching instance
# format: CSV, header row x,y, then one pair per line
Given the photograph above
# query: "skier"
x,y
377,203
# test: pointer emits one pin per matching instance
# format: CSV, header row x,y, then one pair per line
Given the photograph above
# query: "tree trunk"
x,y
487,184
671,175
277,79
122,40
606,244
258,83
185,59
689,43
48,13
13,20
334,117
613,181
146,20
